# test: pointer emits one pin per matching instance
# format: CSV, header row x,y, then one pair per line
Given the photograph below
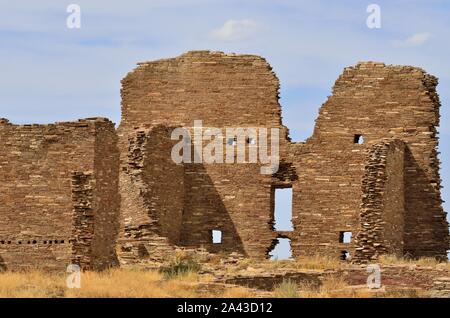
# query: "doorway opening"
x,y
282,250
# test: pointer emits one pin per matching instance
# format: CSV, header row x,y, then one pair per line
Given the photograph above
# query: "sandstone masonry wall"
x,y
370,168
222,90
376,101
152,218
107,197
42,170
370,102
381,229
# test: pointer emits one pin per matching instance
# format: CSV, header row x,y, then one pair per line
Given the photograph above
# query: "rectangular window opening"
x,y
216,236
283,209
345,237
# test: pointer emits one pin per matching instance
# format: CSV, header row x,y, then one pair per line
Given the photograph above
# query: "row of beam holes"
x,y
35,242
357,139
248,140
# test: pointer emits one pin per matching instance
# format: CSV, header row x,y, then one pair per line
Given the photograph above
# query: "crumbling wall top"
x,y
219,89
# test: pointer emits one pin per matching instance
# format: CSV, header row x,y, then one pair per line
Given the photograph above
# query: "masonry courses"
x,y
87,193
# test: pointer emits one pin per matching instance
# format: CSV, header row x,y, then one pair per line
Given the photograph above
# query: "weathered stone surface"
x,y
382,213
441,287
386,191
59,183
223,91
59,194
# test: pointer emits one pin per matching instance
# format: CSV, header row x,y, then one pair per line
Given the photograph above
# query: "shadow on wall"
x,y
205,212
425,225
183,204
164,185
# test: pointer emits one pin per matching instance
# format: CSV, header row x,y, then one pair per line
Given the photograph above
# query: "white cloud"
x,y
415,40
235,30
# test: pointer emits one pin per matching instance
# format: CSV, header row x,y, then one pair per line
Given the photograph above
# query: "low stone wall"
x,y
441,287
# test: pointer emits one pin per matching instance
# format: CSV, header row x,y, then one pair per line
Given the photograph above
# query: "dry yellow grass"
x,y
237,292
332,286
317,262
137,282
320,262
336,287
423,261
112,283
287,289
140,283
31,284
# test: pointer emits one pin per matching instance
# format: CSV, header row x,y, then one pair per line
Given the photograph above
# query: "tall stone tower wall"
x,y
59,194
222,91
374,101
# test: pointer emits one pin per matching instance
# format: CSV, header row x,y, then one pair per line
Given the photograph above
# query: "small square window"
x,y
358,139
345,237
345,256
216,236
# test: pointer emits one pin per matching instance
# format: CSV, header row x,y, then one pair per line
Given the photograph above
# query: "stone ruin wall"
x,y
381,219
223,91
377,102
165,205
106,197
153,196
59,194
325,172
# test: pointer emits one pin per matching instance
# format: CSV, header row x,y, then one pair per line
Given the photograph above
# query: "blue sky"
x,y
52,73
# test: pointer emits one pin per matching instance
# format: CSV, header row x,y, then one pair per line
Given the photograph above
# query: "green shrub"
x,y
181,265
